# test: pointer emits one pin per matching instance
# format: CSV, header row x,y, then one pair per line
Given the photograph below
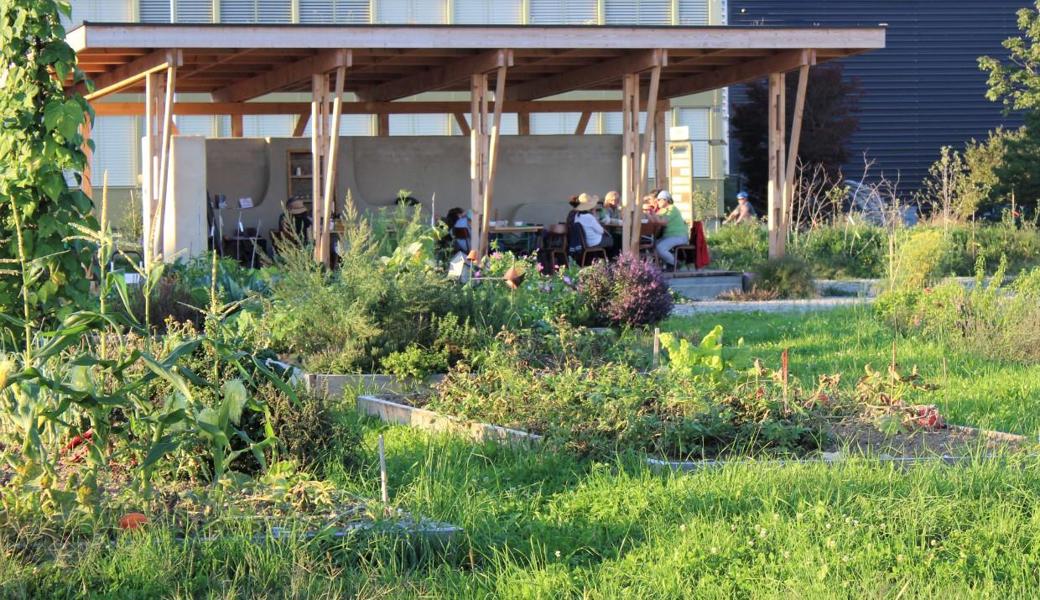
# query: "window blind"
x,y
335,11
562,12
411,11
154,11
193,11
637,12
490,12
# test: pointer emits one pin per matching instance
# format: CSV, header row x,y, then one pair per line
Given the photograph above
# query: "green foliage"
x,y
311,430
40,140
738,247
843,251
787,277
922,258
1016,83
707,362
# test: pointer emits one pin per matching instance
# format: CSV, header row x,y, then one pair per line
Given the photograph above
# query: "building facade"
x,y
706,115
924,90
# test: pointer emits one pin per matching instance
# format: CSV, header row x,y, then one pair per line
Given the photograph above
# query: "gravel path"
x,y
717,306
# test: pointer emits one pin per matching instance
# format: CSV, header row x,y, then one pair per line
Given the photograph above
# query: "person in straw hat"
x,y
296,220
595,235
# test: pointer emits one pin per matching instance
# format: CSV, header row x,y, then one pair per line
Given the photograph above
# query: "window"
x,y
693,12
637,12
612,123
193,11
268,125
103,11
410,11
195,125
115,150
562,12
255,11
698,120
419,125
491,12
554,123
154,11
335,11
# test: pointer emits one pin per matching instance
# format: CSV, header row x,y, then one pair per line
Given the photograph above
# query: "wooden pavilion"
x,y
504,68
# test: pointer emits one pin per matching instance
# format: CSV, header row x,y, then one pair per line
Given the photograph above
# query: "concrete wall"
x,y
185,233
536,174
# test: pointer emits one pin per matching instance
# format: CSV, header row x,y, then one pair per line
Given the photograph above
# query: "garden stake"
x,y
784,364
657,346
382,475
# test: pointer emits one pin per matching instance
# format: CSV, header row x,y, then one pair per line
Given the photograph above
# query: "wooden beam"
x,y
660,150
301,125
329,195
164,162
237,126
109,109
86,185
383,125
593,75
489,186
523,123
438,78
460,119
274,80
775,190
792,150
583,123
630,164
131,73
319,96
648,129
781,62
477,157
216,63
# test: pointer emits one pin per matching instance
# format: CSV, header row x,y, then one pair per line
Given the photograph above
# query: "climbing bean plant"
x,y
43,271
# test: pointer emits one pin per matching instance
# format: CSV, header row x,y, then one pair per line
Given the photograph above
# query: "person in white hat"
x,y
595,235
676,231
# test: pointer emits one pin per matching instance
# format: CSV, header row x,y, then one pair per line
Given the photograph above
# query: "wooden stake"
x,y
657,347
384,493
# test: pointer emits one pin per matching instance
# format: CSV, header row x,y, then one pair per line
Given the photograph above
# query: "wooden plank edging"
x,y
402,414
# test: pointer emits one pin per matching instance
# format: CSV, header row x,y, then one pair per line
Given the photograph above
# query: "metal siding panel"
x,y
924,90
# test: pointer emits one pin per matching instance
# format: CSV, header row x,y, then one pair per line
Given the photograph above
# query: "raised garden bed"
x,y
952,444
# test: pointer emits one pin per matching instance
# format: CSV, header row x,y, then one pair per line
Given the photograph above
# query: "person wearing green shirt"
x,y
676,232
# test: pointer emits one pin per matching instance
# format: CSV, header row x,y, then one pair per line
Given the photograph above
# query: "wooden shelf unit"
x,y
300,171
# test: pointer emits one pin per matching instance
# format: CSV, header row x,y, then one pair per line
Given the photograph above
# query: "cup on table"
x,y
518,223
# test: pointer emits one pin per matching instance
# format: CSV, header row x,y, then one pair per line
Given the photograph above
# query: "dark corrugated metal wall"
x,y
924,90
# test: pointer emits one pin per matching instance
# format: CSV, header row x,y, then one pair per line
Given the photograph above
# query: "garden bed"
x,y
848,438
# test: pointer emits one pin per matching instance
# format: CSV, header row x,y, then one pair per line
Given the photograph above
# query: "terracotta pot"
x,y
134,520
513,278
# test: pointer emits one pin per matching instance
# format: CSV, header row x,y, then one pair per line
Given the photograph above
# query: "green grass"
x,y
972,390
543,525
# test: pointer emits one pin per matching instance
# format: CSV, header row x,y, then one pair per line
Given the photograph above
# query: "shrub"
x,y
312,431
787,277
923,257
739,247
630,291
847,251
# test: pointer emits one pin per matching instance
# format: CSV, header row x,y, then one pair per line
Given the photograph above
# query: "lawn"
x,y
544,525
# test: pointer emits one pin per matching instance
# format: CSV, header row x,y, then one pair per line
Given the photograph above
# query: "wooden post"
x,y
319,83
383,125
166,120
237,126
489,186
523,123
630,188
777,118
649,128
86,186
477,157
660,149
329,195
792,151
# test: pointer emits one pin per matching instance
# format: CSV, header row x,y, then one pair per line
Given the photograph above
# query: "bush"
x,y
738,247
839,252
787,277
312,431
923,257
630,291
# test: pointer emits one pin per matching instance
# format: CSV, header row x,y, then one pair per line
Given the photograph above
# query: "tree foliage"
x,y
43,271
831,106
1016,83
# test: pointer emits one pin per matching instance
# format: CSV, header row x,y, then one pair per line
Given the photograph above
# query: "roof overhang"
x,y
387,60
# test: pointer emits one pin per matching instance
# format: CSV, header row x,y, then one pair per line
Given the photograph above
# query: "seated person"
x,y
295,223
675,233
744,212
457,220
595,235
610,211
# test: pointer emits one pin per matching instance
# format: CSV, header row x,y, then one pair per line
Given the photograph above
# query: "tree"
x,y
42,270
831,105
1016,83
